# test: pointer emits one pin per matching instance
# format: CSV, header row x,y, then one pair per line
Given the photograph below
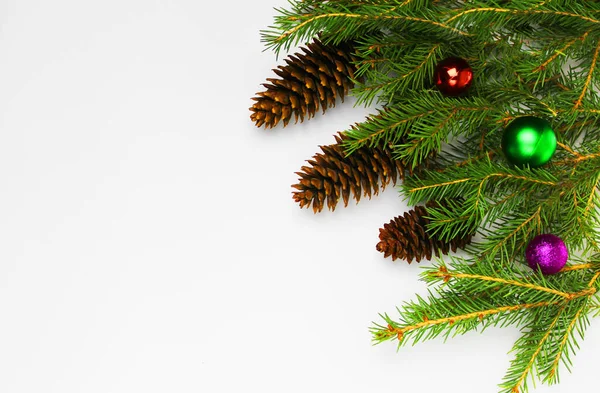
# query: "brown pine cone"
x,y
309,81
332,175
405,237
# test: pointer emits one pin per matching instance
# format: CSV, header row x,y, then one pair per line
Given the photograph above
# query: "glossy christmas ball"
x,y
453,76
529,140
548,253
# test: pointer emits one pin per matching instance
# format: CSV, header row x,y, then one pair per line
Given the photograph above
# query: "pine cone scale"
x,y
360,174
308,82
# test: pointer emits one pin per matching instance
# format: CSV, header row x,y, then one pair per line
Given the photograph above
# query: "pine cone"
x,y
405,237
333,174
308,81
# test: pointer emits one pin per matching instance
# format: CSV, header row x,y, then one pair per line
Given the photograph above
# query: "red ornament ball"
x,y
453,76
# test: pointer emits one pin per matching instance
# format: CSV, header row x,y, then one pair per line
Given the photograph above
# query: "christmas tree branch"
x,y
528,223
519,12
516,378
477,295
498,200
563,347
529,58
557,344
291,27
426,119
446,276
589,77
560,53
378,127
428,139
389,78
580,266
399,333
477,276
433,184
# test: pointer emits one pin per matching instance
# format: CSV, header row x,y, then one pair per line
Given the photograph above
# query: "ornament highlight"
x,y
548,253
529,140
453,76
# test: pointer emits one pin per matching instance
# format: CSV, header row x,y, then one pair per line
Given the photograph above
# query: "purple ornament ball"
x,y
548,253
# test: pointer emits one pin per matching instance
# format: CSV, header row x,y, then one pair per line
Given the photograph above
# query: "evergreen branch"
x,y
564,348
511,235
594,280
512,216
581,266
553,372
399,333
461,311
523,12
410,66
593,193
377,134
589,77
530,57
577,159
446,275
504,175
515,387
510,280
560,52
308,18
428,138
388,126
486,155
444,184
568,149
420,66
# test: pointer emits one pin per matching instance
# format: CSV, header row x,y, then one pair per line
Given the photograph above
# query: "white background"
x,y
148,238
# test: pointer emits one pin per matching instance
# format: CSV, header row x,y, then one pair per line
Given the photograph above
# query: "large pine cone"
x,y
309,81
405,237
332,175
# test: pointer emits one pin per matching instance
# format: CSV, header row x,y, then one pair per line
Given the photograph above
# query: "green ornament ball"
x,y
529,140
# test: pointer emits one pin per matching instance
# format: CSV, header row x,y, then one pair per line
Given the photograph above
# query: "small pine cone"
x,y
309,81
405,237
332,175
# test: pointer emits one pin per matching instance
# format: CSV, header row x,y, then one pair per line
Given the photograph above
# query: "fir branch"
x,y
548,15
291,27
477,295
499,200
395,330
507,280
540,332
530,57
589,77
427,119
473,180
559,53
563,351
427,138
387,126
446,276
392,67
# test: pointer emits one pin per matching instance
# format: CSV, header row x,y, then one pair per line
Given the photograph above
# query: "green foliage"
x,y
530,57
472,295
